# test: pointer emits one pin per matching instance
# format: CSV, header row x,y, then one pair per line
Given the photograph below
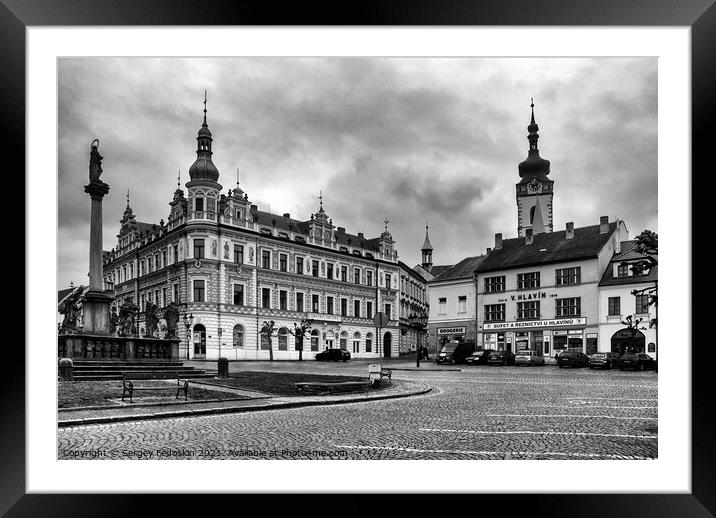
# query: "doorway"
x,y
199,341
387,345
628,340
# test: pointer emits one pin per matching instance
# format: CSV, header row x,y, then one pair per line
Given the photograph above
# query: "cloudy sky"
x,y
412,139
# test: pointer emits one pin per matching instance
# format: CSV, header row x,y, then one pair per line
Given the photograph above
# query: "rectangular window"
x,y
571,307
388,308
283,299
315,307
299,302
266,298
329,270
299,265
199,291
528,310
494,313
142,303
344,273
462,304
369,309
356,275
369,278
176,253
388,285
344,307
238,294
615,306
265,259
164,258
176,293
131,271
199,204
642,304
442,306
283,262
314,268
495,284
368,345
564,276
329,305
239,254
622,270
198,249
356,308
527,280
164,297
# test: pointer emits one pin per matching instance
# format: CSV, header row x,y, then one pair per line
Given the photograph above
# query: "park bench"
x,y
377,372
327,387
128,386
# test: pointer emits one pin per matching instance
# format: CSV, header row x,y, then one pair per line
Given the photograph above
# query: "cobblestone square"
x,y
475,413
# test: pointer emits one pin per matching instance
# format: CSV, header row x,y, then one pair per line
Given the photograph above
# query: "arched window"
x,y
265,340
283,339
314,340
344,340
356,342
238,335
369,342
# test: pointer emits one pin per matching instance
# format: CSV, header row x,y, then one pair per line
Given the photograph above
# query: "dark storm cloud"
x,y
407,139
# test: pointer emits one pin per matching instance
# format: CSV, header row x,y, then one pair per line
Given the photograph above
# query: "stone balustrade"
x,y
83,346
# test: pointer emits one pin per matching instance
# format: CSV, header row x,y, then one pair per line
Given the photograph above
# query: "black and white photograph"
x,y
357,258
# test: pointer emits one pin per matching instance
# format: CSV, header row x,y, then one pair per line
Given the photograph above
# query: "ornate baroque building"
x,y
233,267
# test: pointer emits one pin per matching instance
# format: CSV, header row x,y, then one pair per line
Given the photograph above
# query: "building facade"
x,y
413,303
624,294
452,296
233,267
541,292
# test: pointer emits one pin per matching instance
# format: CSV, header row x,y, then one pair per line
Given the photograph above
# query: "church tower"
x,y
203,184
534,190
427,250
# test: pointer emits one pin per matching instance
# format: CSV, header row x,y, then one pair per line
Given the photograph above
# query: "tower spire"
x,y
320,198
204,109
179,179
127,198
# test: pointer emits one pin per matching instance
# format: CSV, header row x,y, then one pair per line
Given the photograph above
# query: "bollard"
x,y
223,368
66,369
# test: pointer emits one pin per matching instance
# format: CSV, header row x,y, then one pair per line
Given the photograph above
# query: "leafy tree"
x,y
269,326
632,325
299,331
647,243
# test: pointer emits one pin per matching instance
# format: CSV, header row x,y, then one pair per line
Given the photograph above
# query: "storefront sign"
x,y
529,296
451,331
528,324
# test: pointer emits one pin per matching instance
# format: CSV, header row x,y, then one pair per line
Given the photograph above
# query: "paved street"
x,y
477,413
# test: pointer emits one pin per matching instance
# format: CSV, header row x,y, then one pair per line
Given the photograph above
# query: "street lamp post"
x,y
188,323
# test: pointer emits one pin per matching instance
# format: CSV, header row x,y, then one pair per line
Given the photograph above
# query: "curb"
x,y
230,410
423,370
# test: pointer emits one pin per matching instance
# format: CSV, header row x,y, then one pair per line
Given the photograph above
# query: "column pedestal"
x,y
96,313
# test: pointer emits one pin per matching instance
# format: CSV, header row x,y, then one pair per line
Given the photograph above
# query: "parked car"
x,y
333,355
573,359
603,360
478,357
455,352
501,358
528,358
636,361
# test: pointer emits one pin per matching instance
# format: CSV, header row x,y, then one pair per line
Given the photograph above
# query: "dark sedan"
x,y
501,358
333,355
478,357
636,361
573,359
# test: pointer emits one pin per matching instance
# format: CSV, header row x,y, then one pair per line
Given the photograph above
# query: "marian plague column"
x,y
95,307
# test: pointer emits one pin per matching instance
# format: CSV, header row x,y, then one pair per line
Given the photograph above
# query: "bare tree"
x,y
268,329
299,331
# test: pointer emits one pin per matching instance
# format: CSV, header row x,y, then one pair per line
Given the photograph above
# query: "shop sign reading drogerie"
x,y
451,331
526,324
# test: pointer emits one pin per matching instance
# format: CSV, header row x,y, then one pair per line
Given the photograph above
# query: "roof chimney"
x,y
287,215
498,241
254,208
570,230
529,238
604,224
618,244
489,249
360,235
341,230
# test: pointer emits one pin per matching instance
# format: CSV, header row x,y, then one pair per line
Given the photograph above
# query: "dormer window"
x,y
238,213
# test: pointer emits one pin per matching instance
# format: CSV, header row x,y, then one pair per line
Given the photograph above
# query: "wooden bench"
x,y
128,386
377,372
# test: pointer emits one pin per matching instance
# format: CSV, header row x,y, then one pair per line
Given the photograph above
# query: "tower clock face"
x,y
535,185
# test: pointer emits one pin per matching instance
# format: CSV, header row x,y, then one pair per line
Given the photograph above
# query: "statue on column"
x,y
70,308
95,165
151,320
127,313
171,315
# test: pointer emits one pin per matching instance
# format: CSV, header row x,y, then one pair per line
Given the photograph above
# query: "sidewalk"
x,y
244,401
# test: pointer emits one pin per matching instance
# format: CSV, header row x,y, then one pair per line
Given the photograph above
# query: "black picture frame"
x,y
699,15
